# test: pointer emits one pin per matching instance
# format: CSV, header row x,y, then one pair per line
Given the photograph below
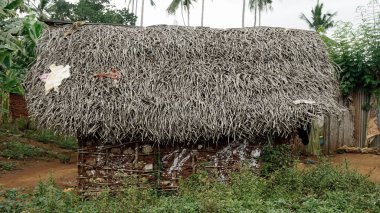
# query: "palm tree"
x,y
264,5
142,10
185,5
258,6
319,20
133,5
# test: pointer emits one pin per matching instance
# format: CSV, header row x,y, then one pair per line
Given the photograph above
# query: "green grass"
x,y
7,166
24,128
18,151
324,188
48,136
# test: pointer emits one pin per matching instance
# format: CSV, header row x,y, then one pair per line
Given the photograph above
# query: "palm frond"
x,y
303,17
173,6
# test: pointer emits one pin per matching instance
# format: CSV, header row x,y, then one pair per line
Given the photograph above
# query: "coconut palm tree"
x,y
142,10
258,6
319,20
184,4
264,5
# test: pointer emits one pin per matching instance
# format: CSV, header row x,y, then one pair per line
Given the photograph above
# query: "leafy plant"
x,y
276,158
12,201
18,37
357,52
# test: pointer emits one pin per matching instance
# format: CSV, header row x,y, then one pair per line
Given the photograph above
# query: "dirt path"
x,y
26,178
365,164
30,171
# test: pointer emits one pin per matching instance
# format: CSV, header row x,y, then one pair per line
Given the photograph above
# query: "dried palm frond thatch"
x,y
182,84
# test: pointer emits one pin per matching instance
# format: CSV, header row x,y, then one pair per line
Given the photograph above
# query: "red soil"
x,y
366,164
31,172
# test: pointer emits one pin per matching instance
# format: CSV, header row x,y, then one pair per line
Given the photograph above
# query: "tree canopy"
x,y
95,11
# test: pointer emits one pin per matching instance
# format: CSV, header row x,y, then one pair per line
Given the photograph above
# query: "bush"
x,y
323,188
12,201
277,157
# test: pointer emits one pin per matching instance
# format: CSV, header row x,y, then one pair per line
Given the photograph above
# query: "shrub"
x,y
323,188
276,157
12,201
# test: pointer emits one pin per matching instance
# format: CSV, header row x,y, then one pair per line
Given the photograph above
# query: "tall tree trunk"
x,y
183,18
133,6
129,5
142,13
188,15
255,18
243,15
259,17
137,3
203,11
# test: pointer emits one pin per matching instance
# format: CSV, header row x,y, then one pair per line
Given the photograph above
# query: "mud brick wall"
x,y
108,166
17,106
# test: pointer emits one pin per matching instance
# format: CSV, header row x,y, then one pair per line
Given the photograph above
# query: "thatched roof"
x,y
182,84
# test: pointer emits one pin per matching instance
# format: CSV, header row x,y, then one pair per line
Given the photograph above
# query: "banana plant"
x,y
18,39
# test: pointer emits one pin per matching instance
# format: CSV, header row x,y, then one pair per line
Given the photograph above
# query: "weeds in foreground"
x,y
323,188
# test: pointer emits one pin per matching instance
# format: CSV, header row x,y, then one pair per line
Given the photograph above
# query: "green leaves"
x,y
8,9
95,11
10,82
18,39
319,19
357,52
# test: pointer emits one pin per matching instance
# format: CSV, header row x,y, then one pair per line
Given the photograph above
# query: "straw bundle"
x,y
182,84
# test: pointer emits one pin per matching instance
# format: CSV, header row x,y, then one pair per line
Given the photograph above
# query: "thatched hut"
x,y
150,101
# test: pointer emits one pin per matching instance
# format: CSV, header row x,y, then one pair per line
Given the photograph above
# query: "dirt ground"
x,y
31,172
366,164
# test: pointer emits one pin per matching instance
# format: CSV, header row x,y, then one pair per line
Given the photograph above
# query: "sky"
x,y
228,13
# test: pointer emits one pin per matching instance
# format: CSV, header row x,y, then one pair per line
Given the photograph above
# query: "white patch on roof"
x,y
55,78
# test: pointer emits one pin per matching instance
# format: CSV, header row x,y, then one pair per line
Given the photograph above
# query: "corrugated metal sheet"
x,y
361,101
350,127
338,131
